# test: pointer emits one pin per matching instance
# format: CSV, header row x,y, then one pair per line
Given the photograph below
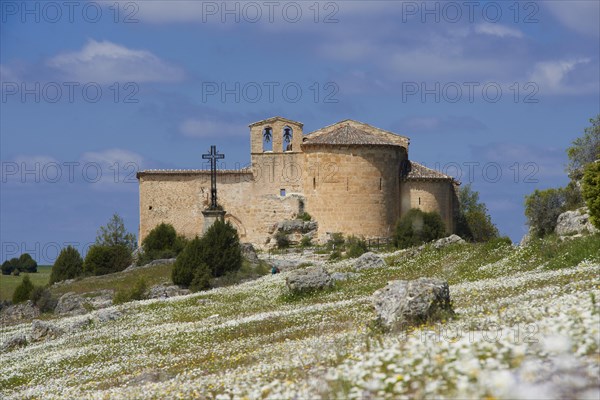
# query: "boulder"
x,y
151,375
443,242
42,330
574,222
163,291
308,279
342,276
103,316
249,253
152,263
71,304
18,312
101,298
15,341
369,260
402,303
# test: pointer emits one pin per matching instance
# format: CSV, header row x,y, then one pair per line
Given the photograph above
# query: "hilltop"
x,y
527,325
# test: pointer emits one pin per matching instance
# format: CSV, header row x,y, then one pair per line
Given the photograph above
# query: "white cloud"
x,y
207,127
565,76
502,31
113,156
7,74
582,16
106,62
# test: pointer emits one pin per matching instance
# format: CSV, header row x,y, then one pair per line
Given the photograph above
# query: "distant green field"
x,y
8,283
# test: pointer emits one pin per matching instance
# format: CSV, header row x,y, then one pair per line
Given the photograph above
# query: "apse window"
x,y
282,192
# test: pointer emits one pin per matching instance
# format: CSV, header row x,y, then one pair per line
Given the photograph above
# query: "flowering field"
x,y
527,326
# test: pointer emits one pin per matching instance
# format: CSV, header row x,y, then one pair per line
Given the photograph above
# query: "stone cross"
x,y
213,156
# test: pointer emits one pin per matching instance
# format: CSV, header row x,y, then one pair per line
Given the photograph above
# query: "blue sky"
x,y
490,92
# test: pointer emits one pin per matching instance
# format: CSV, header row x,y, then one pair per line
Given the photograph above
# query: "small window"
x,y
150,208
419,201
282,192
380,182
314,183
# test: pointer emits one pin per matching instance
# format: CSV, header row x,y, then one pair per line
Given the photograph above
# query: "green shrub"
x,y
355,247
306,241
115,234
161,242
282,240
585,149
573,197
417,227
591,191
336,241
304,216
102,260
222,250
42,298
219,249
22,264
474,222
542,209
188,261
202,277
22,291
68,265
9,266
137,292
335,255
27,264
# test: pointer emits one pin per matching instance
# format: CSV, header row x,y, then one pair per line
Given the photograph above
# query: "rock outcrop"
x,y
369,260
575,222
249,253
42,330
18,312
447,241
308,279
152,263
71,303
15,341
163,291
403,303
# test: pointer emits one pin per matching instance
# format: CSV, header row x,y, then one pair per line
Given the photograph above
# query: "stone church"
x,y
350,177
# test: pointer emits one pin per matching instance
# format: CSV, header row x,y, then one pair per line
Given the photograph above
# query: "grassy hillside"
x,y
118,281
520,310
8,283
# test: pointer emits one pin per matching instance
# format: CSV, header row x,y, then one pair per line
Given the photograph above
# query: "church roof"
x,y
354,133
416,171
273,119
190,172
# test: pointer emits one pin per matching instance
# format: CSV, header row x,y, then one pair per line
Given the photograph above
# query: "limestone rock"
x,y
308,279
163,291
17,312
101,298
249,253
342,276
443,242
103,316
152,263
15,341
70,303
574,222
369,260
407,302
41,330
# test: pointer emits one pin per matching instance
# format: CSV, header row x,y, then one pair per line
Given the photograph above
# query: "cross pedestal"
x,y
210,217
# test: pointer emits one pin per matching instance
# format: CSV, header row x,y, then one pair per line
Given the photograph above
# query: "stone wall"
x,y
430,195
353,189
179,198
